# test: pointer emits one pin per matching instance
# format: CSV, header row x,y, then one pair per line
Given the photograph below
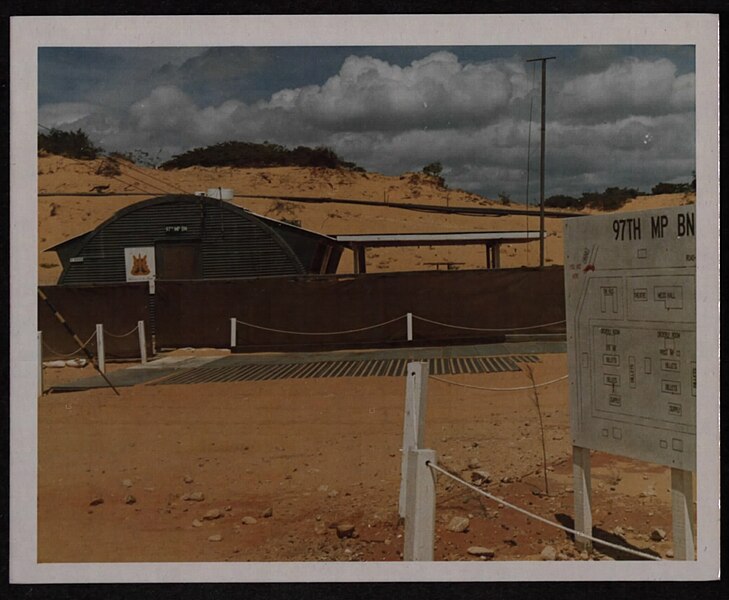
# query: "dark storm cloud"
x,y
616,115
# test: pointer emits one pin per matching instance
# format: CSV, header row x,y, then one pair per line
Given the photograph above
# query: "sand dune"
x,y
63,217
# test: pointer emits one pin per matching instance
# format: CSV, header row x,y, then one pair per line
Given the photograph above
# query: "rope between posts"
x,y
61,355
486,328
542,519
509,389
321,332
130,332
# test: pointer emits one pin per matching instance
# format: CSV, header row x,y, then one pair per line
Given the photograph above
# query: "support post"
x,y
583,495
420,519
40,364
488,256
100,355
416,395
142,342
360,260
682,505
410,326
233,332
497,256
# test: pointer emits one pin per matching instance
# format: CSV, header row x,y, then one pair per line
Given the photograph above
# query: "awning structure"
x,y
492,240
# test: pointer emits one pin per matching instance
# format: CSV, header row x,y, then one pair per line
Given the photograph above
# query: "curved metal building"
x,y
194,237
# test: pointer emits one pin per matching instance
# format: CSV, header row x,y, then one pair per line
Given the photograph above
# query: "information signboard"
x,y
630,286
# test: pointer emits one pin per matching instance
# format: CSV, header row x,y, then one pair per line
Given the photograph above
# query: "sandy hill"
x,y
66,215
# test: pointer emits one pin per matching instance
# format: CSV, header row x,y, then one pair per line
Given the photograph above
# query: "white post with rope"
x,y
100,356
410,326
40,364
142,342
233,332
582,485
420,519
682,505
416,395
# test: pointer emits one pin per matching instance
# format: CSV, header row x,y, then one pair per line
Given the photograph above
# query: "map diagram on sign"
x,y
630,283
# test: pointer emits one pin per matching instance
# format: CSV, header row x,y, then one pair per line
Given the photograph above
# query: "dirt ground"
x,y
319,453
117,475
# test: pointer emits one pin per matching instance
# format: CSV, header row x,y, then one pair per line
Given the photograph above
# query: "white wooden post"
x,y
682,504
410,326
142,342
416,395
420,519
233,332
582,485
100,356
40,363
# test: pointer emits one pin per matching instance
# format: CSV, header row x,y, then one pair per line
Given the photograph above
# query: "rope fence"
x,y
344,331
409,316
540,518
493,329
123,335
69,355
505,389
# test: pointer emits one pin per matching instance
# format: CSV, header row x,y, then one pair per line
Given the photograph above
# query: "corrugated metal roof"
x,y
233,241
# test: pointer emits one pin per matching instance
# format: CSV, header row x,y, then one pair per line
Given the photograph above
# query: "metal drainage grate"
x,y
391,367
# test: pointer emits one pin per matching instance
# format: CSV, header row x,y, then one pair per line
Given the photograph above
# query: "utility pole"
x,y
541,157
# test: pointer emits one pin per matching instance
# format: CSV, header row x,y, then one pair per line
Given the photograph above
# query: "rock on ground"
x,y
480,477
194,497
658,534
215,538
481,551
345,530
248,520
458,524
213,513
549,553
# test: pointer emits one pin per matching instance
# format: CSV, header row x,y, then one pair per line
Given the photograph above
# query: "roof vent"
x,y
220,193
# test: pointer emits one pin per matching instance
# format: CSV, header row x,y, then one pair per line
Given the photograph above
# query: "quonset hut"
x,y
193,237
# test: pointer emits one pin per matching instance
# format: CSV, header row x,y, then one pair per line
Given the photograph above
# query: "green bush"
x,y
250,155
611,199
673,188
73,144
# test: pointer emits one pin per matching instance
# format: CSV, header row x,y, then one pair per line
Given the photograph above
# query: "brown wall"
x,y
197,313
117,306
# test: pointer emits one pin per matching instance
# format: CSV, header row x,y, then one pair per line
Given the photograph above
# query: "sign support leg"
x,y
682,504
420,519
416,394
583,495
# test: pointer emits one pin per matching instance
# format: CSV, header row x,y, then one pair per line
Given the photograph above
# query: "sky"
x,y
615,115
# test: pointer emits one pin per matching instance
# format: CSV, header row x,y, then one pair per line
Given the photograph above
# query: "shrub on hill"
x,y
250,155
73,144
611,199
673,188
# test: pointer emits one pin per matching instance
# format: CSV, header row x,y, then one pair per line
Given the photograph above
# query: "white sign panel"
x,y
630,285
139,263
